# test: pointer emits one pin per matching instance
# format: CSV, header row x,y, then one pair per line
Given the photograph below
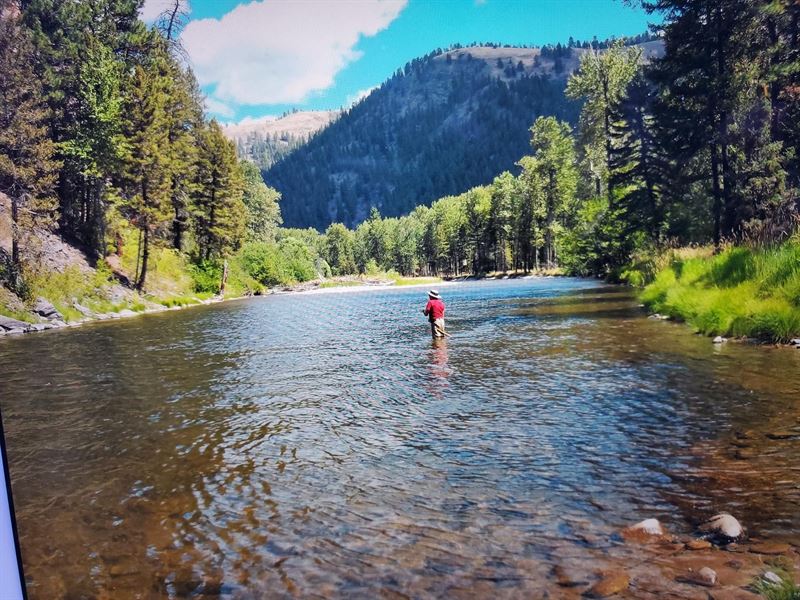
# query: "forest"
x,y
103,135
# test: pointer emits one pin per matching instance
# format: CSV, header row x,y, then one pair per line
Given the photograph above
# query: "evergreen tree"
x,y
601,80
27,166
638,168
218,210
146,196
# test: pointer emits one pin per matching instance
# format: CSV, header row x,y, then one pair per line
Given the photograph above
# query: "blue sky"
x,y
263,58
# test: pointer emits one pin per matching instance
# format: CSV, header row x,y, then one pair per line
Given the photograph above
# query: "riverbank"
x,y
43,315
740,292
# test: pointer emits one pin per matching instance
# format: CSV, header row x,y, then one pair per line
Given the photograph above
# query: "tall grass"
x,y
739,292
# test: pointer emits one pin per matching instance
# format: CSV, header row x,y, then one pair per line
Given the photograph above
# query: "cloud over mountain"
x,y
276,52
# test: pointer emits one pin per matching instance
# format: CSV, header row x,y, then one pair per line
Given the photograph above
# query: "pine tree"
x,y
92,146
146,197
27,166
638,168
601,79
218,211
184,117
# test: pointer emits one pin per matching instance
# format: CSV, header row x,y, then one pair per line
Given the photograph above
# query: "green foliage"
x,y
261,203
218,210
787,589
740,292
27,165
207,276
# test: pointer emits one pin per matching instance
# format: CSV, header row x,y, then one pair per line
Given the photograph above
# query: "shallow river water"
x,y
321,445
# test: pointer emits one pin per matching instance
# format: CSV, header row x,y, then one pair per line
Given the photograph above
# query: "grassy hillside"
x,y
739,292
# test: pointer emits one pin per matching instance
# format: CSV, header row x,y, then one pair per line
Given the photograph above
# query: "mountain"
x,y
265,140
446,122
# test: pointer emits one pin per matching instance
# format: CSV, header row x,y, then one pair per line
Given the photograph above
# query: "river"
x,y
321,445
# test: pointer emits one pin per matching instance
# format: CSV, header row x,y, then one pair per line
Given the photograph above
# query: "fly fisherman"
x,y
434,310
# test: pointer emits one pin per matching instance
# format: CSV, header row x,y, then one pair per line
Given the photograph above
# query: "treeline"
x,y
102,132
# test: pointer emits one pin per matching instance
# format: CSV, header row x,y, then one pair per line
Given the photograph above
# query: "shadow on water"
x,y
241,449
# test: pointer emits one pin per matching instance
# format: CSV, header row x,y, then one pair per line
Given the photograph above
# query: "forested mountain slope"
x,y
446,122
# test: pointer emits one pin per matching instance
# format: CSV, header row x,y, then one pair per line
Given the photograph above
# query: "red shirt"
x,y
434,309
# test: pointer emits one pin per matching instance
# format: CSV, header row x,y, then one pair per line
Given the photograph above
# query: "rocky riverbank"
x,y
718,562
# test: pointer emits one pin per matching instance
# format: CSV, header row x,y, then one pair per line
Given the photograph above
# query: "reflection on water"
x,y
324,446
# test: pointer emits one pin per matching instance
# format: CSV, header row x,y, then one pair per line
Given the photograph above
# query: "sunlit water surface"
x,y
320,445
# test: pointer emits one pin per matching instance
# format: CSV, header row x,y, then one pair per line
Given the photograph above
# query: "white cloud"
x,y
152,8
219,109
275,51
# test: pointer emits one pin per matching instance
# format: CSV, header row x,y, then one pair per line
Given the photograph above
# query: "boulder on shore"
x,y
9,324
45,309
723,528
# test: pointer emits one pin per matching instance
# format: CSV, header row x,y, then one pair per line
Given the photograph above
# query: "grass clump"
x,y
739,292
787,589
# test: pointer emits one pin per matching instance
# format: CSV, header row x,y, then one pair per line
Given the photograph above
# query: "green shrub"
x,y
265,263
206,276
740,292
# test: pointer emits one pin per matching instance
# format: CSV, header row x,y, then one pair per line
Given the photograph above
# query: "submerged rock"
x,y
611,582
771,548
45,309
723,528
698,544
706,576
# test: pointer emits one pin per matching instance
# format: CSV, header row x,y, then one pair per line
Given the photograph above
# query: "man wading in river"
x,y
434,310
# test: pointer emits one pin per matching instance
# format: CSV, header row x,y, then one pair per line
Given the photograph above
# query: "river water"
x,y
321,445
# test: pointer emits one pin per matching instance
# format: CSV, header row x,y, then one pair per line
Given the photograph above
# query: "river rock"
x,y
771,548
783,435
723,527
126,312
705,576
568,578
7,324
86,312
795,342
45,309
611,582
772,578
643,531
698,544
733,594
720,340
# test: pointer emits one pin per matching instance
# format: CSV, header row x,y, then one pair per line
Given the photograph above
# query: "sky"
x,y
262,58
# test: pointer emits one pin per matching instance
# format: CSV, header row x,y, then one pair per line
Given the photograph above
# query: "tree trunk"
x,y
717,195
15,232
607,127
145,257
